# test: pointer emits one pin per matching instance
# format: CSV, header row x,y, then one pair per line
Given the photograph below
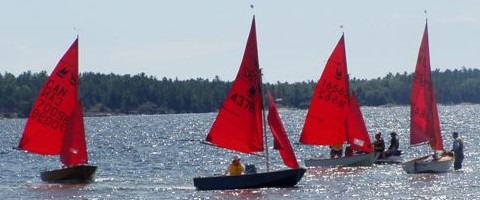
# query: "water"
x,y
156,157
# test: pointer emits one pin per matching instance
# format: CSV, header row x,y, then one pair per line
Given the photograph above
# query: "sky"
x,y
202,39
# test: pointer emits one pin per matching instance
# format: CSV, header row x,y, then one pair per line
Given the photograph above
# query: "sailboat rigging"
x,y
331,119
424,119
239,126
55,124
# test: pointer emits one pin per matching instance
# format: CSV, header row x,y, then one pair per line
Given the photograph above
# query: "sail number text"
x,y
244,102
49,115
47,110
333,93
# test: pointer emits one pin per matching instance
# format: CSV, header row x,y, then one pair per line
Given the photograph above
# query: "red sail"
x,y
425,123
238,125
357,134
325,121
49,117
280,137
74,146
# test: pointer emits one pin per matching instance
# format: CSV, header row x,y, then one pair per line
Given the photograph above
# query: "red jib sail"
x,y
325,121
357,134
424,120
238,125
280,137
74,146
49,116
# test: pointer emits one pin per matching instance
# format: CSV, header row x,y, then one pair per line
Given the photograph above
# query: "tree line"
x,y
142,94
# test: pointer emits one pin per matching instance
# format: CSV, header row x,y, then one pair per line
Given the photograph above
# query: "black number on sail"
x,y
242,101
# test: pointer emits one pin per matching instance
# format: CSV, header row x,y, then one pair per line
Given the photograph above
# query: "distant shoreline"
x,y
111,94
104,114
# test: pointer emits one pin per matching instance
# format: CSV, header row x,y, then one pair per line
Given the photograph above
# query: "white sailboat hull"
x,y
427,165
352,161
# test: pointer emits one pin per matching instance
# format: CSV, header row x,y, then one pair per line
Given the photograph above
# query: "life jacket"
x,y
379,145
235,170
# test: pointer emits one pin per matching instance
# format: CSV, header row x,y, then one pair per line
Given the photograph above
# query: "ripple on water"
x,y
157,156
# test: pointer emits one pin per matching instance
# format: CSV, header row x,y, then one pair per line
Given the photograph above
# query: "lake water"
x,y
157,156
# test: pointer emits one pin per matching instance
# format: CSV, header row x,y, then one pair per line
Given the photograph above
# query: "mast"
x,y
265,137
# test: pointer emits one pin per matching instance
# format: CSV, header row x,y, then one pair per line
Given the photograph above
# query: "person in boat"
x,y
457,149
236,167
379,145
336,150
438,154
394,145
349,151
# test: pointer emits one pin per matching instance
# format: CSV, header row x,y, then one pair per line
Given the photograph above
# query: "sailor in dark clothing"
x,y
379,144
349,151
457,150
394,144
336,150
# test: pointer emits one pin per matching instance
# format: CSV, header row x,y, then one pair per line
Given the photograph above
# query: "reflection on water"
x,y
337,171
240,194
426,178
156,157
48,187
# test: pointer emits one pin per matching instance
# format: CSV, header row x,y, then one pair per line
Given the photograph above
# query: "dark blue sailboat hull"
x,y
75,174
282,178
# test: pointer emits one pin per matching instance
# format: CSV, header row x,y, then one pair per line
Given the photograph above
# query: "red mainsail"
x,y
238,125
280,137
325,121
51,111
424,120
74,146
357,134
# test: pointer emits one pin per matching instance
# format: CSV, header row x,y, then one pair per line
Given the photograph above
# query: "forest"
x,y
141,94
